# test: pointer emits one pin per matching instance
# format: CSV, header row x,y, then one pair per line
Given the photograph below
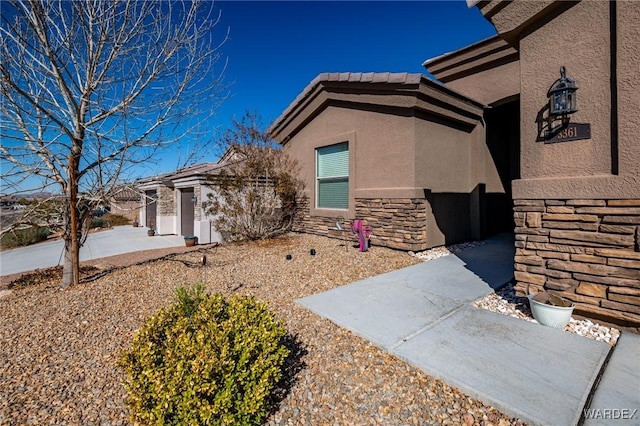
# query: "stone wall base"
x,y
398,223
586,250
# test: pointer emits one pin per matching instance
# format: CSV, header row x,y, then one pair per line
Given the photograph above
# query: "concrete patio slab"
x,y
538,374
493,261
383,310
423,314
617,397
418,296
449,276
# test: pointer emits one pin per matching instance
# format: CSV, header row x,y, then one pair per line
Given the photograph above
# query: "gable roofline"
x,y
124,193
192,173
484,54
348,77
406,91
197,171
462,50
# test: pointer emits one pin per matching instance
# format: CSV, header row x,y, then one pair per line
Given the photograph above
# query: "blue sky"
x,y
275,49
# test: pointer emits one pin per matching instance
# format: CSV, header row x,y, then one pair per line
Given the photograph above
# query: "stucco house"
x,y
172,203
125,201
532,131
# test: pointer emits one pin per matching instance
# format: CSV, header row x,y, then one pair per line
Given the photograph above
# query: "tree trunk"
x,y
67,268
71,268
75,237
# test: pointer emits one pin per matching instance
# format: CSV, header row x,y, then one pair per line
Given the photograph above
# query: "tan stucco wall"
x,y
491,85
453,160
581,169
587,62
628,67
451,163
393,157
380,152
397,156
510,17
128,209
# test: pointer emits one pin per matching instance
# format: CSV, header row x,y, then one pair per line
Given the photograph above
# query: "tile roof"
x,y
125,194
195,170
402,78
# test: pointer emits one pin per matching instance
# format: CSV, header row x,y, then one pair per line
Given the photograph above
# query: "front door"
x,y
186,212
150,201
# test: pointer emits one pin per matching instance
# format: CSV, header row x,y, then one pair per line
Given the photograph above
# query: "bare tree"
x,y
92,88
255,195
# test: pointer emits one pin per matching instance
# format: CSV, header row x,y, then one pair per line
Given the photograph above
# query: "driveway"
x,y
118,240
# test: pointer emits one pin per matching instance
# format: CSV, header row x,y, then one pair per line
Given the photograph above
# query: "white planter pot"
x,y
550,315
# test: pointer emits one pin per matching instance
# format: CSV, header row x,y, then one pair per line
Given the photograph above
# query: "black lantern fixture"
x,y
562,96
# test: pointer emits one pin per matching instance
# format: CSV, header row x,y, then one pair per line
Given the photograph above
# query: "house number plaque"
x,y
570,132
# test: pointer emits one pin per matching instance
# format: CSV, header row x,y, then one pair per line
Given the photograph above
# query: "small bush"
x,y
116,219
98,223
255,196
108,220
205,360
24,237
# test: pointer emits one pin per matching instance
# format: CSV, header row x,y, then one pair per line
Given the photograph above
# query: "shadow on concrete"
x,y
494,263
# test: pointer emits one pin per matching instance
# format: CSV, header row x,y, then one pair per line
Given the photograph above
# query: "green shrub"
x,y
116,219
205,360
108,220
98,222
24,237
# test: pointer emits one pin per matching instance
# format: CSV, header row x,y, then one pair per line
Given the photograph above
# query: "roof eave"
x,y
321,93
491,52
342,78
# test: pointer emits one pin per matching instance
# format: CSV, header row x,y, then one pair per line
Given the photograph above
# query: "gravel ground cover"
x,y
505,302
58,349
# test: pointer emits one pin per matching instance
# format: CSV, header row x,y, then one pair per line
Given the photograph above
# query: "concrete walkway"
x,y
423,315
119,240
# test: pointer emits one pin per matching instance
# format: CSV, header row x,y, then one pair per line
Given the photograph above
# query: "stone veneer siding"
x,y
398,223
166,201
197,212
587,250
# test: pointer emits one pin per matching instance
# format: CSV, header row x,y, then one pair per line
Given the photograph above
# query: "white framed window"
x,y
332,177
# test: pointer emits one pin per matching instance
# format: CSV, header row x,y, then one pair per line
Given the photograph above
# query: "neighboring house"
x,y
125,201
9,202
172,203
479,152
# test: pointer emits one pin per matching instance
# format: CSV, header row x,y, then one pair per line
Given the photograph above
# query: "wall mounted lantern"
x,y
194,198
562,96
556,126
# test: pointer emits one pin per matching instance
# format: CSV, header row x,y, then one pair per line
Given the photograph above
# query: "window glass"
x,y
332,173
